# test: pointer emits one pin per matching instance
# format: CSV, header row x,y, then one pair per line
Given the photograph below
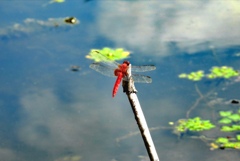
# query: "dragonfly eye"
x,y
126,62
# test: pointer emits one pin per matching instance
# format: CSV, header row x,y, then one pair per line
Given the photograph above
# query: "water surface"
x,y
51,113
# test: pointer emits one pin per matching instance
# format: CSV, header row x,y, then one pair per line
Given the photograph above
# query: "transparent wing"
x,y
114,64
110,64
103,69
107,69
143,68
137,78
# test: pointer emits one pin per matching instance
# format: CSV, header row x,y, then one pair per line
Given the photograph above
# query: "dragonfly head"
x,y
126,62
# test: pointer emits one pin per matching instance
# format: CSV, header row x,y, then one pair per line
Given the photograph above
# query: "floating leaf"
x,y
194,76
226,129
194,124
211,76
108,54
171,123
238,137
236,127
221,140
233,145
234,117
183,75
216,72
214,146
222,72
223,143
225,121
225,113
230,128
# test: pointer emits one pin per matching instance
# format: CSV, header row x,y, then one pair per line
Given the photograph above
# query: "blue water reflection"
x,y
48,112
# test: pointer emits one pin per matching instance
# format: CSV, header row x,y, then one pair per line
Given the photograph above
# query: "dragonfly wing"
x,y
101,68
137,78
110,64
143,68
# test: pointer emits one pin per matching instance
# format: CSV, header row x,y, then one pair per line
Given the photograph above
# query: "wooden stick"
x,y
130,90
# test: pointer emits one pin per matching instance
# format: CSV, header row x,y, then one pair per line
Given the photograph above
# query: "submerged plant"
x,y
194,124
108,54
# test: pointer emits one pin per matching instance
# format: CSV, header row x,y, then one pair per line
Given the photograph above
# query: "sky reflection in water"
x,y
50,113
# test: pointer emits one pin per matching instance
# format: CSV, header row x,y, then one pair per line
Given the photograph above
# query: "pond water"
x,y
53,107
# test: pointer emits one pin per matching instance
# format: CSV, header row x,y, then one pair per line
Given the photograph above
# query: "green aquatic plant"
x,y
229,117
225,117
216,72
235,117
230,128
238,137
222,72
229,121
222,140
225,113
223,143
194,76
108,54
193,124
232,145
225,121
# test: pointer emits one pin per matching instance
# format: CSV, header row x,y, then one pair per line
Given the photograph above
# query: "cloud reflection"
x,y
50,124
31,25
46,123
7,155
157,26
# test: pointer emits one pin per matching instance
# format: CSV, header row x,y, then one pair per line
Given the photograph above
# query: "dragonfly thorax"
x,y
117,72
122,68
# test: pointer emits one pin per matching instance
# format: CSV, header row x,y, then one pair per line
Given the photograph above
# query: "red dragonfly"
x,y
111,68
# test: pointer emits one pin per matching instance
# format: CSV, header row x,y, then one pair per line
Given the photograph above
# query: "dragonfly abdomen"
x,y
117,83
